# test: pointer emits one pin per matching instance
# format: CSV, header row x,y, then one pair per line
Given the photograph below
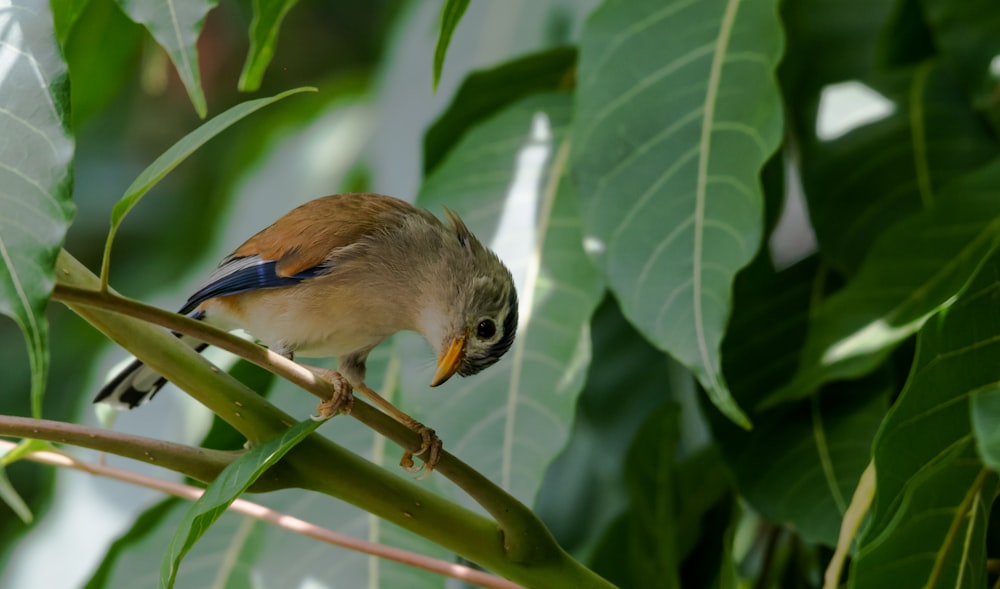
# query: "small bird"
x,y
340,274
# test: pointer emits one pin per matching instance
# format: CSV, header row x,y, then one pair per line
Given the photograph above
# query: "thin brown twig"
x,y
276,518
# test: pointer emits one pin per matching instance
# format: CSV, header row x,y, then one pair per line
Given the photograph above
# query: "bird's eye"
x,y
486,329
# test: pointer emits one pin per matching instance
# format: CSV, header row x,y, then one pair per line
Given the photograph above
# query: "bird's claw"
x,y
430,445
342,400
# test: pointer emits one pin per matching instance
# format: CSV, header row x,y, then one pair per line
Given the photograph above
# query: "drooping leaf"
x,y
35,174
13,500
933,496
800,463
667,150
176,26
507,180
267,18
177,153
451,15
230,484
485,92
914,270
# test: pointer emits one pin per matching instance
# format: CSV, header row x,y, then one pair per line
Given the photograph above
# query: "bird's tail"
x,y
137,383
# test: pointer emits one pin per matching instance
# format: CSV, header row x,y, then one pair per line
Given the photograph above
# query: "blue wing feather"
x,y
238,275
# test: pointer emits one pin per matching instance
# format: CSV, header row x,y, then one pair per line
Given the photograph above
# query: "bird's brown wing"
x,y
298,245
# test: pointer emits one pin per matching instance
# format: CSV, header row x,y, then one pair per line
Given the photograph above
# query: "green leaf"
x,y
485,92
668,148
863,182
176,26
927,525
619,393
451,14
173,157
231,482
267,18
800,463
913,271
35,175
507,180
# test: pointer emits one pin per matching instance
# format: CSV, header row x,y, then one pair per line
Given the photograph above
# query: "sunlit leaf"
x,y
267,18
35,174
176,25
667,150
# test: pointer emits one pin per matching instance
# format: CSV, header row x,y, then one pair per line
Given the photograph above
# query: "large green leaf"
x,y
35,174
233,481
800,463
927,525
267,17
677,112
507,179
913,270
176,25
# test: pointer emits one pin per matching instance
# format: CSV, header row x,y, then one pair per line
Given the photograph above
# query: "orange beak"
x,y
448,363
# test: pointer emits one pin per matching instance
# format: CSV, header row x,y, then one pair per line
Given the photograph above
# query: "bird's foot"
x,y
430,445
342,399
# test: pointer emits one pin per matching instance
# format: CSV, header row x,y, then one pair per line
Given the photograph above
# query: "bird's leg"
x,y
342,400
430,443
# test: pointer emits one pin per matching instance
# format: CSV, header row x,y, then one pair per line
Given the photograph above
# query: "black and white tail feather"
x,y
138,383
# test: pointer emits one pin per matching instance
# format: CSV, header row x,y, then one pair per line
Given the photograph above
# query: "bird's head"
x,y
475,326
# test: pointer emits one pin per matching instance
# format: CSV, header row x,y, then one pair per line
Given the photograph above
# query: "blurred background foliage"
x,y
864,328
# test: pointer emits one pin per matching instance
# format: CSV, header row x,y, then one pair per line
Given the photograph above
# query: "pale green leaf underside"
x,y
506,179
176,25
677,111
35,161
